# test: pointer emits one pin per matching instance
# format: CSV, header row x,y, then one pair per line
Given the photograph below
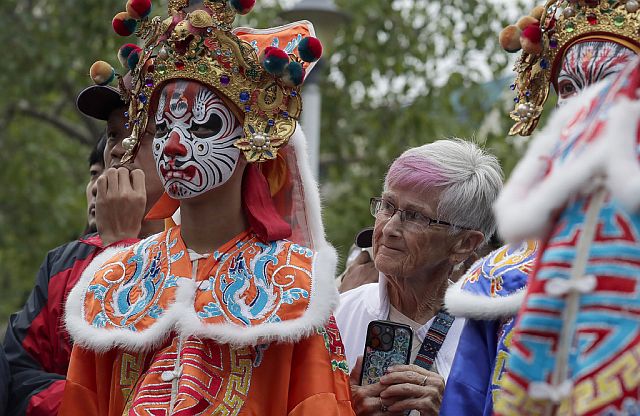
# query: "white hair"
x,y
470,179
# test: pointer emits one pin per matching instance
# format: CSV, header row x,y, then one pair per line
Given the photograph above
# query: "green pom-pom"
x,y
293,74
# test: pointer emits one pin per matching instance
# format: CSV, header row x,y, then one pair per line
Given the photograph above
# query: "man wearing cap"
x,y
37,346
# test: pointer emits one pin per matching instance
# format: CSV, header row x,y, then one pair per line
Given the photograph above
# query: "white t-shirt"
x,y
370,302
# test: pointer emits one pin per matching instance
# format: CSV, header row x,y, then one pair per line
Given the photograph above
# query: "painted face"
x,y
193,146
587,63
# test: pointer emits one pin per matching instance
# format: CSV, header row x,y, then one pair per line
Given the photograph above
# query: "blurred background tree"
x,y
403,73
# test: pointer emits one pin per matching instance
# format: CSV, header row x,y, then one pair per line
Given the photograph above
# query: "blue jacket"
x,y
489,296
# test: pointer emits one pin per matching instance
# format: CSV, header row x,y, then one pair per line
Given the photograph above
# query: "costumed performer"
x,y
230,311
569,45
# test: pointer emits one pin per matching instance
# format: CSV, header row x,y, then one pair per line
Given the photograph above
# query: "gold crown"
x,y
547,33
246,67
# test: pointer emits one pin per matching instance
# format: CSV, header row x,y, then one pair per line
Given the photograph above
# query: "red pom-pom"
x,y
532,33
274,60
123,24
242,6
310,49
138,9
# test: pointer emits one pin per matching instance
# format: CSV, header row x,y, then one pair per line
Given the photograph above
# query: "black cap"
x,y
364,239
99,101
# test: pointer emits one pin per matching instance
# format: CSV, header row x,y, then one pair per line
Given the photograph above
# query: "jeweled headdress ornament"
x,y
258,72
546,34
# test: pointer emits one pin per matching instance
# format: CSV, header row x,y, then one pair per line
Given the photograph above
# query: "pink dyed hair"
x,y
469,178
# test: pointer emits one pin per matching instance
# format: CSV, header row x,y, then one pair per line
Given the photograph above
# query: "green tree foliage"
x,y
403,73
406,73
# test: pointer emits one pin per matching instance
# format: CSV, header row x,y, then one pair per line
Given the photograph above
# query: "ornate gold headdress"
x,y
547,33
247,67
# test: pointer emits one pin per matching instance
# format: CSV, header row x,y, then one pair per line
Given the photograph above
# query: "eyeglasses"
x,y
384,209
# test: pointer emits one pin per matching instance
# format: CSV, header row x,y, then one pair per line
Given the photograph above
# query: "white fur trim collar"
x,y
463,304
181,317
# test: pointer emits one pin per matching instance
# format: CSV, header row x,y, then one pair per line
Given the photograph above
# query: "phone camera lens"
x,y
386,338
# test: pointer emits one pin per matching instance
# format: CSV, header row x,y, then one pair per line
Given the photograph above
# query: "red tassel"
x,y
259,207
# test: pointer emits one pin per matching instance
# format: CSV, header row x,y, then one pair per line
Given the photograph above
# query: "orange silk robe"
x,y
244,331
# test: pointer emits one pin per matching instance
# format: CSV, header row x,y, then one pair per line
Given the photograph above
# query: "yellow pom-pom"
x,y
526,21
537,12
102,73
510,39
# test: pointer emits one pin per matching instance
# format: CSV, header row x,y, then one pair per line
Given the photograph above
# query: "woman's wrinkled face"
x,y
403,250
589,62
193,146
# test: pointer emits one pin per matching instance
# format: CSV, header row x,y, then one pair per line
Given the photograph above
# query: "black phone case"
x,y
376,361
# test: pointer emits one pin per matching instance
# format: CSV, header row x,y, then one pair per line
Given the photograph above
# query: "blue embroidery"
x,y
100,321
238,281
98,291
292,295
135,294
211,310
155,311
301,250
293,44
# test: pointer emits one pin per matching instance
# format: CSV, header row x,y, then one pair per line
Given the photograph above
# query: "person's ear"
x,y
466,243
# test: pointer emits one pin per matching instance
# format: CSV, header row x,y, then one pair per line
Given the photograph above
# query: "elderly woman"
x,y
434,212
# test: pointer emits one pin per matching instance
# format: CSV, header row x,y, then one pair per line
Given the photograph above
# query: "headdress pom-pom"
x,y
510,39
310,49
133,58
102,73
531,39
242,6
123,24
537,12
293,74
138,9
274,60
527,21
124,52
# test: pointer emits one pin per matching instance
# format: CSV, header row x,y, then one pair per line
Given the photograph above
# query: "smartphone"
x,y
387,344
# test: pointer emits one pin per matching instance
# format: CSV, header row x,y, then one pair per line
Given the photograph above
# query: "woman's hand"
x,y
410,387
366,400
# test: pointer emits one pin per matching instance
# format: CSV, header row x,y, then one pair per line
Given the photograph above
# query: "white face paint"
x,y
193,146
586,63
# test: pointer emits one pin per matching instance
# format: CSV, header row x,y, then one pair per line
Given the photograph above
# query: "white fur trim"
x,y
99,339
529,200
463,304
181,315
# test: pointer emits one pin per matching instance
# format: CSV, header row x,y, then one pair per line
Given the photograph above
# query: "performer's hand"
x,y
410,387
360,272
120,204
366,400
